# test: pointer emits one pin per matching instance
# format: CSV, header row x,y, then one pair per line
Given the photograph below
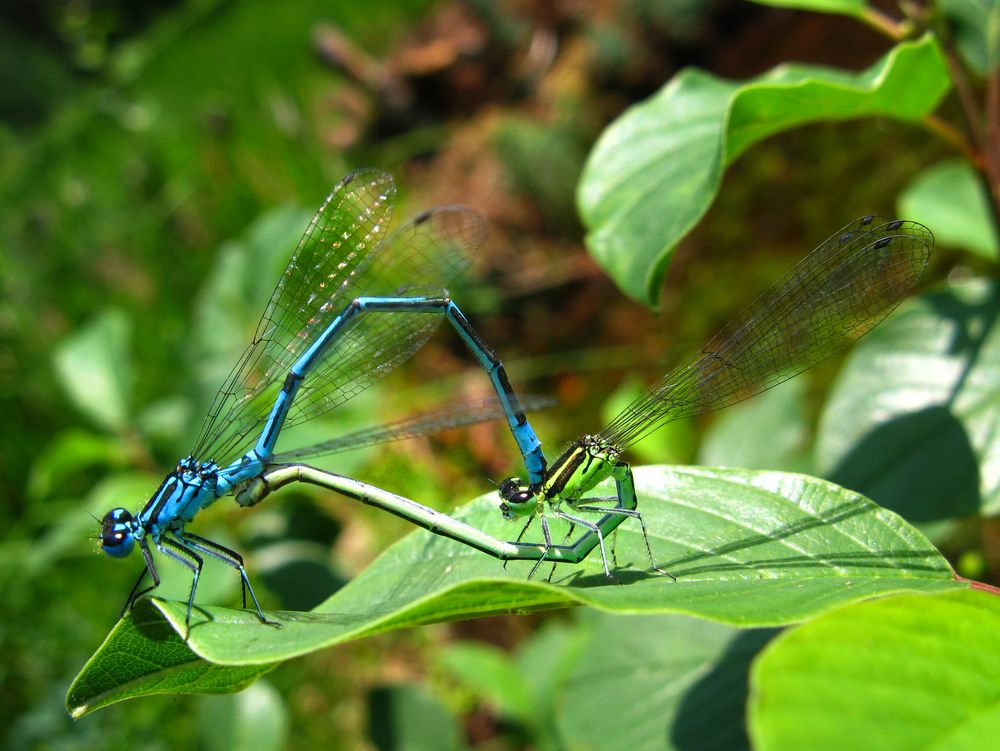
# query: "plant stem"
x,y
885,24
948,132
983,135
991,155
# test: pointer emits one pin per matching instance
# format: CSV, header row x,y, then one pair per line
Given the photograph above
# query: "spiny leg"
x,y
230,558
173,549
632,513
614,532
569,533
548,545
593,528
150,569
520,537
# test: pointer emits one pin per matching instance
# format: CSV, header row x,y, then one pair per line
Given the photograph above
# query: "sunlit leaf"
x,y
747,548
950,198
655,171
910,671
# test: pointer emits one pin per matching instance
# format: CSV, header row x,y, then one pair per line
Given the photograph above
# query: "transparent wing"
x,y
418,260
342,255
836,294
453,415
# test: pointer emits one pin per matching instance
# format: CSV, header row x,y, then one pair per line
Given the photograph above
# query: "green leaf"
x,y
673,682
95,369
769,432
845,7
950,198
655,171
910,671
747,548
253,720
975,26
70,452
912,421
406,718
143,656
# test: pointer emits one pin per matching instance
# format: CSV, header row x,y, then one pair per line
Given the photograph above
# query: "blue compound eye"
x,y
116,533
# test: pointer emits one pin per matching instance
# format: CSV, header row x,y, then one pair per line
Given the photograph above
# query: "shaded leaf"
x,y
525,688
71,452
406,718
253,720
143,656
492,674
911,671
674,682
912,421
975,26
769,432
655,171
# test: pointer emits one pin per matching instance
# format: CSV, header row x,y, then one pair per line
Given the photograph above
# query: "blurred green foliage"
x,y
157,164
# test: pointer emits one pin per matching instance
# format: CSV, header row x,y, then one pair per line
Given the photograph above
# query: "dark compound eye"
x,y
116,516
512,490
113,537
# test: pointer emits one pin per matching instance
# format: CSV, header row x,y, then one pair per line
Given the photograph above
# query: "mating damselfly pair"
x,y
355,301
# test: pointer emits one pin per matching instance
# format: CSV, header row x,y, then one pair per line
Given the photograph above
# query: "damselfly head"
x,y
516,498
117,539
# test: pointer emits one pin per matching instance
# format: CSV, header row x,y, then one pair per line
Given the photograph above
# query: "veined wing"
x,y
836,294
453,415
343,254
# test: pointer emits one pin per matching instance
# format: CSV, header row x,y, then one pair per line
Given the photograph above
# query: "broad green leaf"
x,y
949,198
673,682
747,548
252,720
769,432
844,7
913,421
94,367
407,718
975,26
143,656
906,672
655,171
